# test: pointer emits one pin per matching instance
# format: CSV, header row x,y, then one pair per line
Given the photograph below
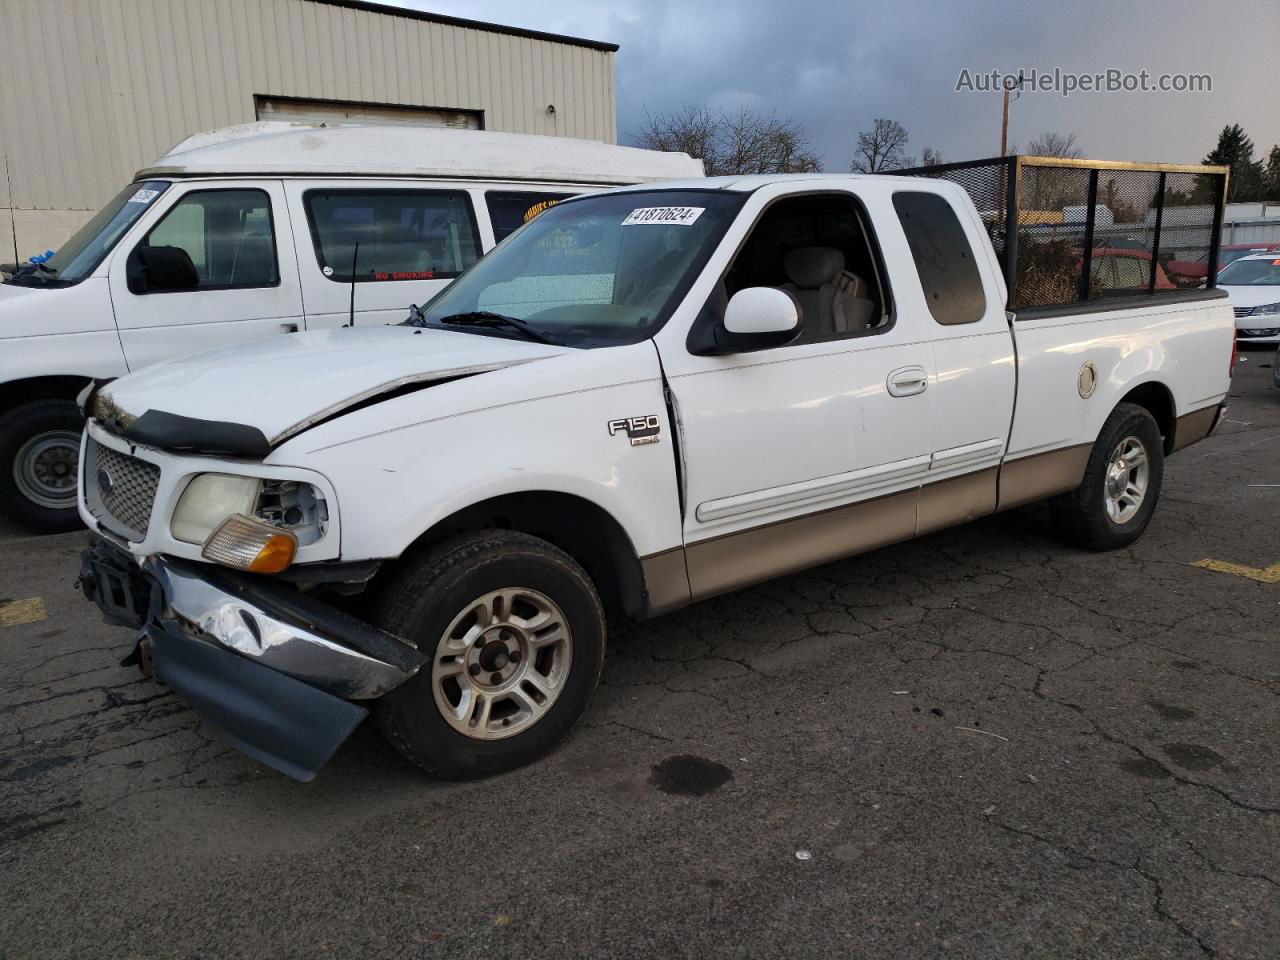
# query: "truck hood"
x,y
282,385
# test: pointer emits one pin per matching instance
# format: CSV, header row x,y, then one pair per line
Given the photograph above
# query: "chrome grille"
x,y
119,490
1244,311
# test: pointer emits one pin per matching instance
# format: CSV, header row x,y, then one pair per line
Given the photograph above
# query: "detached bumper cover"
x,y
277,720
270,669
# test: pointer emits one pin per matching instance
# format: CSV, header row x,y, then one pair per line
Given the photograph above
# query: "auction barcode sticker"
x,y
144,196
678,216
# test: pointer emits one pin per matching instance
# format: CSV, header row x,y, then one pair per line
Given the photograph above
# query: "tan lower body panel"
x,y
1193,427
666,581
958,500
738,559
1042,475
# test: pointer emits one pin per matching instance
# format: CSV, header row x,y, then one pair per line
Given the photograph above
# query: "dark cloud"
x,y
834,66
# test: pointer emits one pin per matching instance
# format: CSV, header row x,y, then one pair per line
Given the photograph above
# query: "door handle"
x,y
907,381
289,327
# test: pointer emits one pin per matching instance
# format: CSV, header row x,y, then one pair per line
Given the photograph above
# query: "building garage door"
x,y
298,109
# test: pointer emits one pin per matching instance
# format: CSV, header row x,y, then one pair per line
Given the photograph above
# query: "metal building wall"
x,y
95,89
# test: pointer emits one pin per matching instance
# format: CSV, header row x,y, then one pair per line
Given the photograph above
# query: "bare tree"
x,y
744,142
1050,144
930,157
883,147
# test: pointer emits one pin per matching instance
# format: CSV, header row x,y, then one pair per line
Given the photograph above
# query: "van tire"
x,y
424,601
1097,515
51,422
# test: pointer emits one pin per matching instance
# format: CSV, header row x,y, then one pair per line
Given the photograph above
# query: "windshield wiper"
x,y
485,318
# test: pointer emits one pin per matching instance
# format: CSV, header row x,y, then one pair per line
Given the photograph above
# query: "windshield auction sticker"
x,y
667,216
144,196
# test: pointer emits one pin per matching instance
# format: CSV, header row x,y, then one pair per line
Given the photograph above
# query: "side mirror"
x,y
755,318
161,270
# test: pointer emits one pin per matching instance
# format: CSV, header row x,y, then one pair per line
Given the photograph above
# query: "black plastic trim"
x,y
273,718
1111,304
171,431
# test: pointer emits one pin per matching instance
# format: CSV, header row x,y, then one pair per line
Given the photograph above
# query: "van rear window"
x,y
509,211
402,234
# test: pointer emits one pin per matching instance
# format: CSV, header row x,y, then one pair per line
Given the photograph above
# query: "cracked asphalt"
x,y
987,743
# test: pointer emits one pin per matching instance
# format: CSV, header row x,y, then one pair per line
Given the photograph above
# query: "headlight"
x,y
1266,309
209,499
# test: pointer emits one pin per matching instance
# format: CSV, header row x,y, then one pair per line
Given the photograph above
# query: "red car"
x,y
1118,269
1191,273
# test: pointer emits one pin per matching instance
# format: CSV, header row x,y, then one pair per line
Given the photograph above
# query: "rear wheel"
x,y
1114,503
39,457
515,633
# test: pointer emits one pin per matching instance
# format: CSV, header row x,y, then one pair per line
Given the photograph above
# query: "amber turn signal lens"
x,y
244,543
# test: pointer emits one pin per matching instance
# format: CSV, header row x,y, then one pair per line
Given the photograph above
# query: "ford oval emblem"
x,y
105,483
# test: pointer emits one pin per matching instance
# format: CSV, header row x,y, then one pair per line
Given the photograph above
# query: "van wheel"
x,y
1114,503
39,458
515,632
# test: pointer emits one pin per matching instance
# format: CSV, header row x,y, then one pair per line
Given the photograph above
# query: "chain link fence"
x,y
1074,231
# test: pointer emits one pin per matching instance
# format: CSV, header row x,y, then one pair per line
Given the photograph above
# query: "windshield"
x,y
1251,273
596,271
78,257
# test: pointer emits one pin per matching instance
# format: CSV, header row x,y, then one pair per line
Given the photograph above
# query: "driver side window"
x,y
227,234
818,248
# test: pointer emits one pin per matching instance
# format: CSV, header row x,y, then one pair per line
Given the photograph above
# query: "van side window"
x,y
819,249
944,260
403,234
228,234
508,212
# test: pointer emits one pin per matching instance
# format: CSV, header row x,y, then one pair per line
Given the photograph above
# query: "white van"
x,y
258,230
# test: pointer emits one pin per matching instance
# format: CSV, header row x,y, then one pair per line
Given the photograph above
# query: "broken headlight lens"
x,y
208,500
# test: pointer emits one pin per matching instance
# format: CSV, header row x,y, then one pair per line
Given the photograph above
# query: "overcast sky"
x,y
835,65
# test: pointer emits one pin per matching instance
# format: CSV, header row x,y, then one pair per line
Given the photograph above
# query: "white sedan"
x,y
1253,283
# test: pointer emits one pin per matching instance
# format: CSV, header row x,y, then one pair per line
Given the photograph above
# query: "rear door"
x,y
960,306
400,241
238,239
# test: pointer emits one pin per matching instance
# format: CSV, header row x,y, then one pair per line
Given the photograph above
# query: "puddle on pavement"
x,y
1170,711
689,776
1142,767
1192,756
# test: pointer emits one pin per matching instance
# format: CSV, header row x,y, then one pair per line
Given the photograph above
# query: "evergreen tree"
x,y
1271,178
1235,150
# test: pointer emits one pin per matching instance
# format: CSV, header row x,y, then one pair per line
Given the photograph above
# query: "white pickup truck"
x,y
642,398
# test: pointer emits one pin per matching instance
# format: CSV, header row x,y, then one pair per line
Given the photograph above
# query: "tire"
x,y
1096,515
434,719
39,451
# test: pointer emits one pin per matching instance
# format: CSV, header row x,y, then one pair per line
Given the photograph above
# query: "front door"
x,y
236,247
797,455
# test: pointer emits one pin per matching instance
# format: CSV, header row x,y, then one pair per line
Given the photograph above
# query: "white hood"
x,y
284,384
1251,295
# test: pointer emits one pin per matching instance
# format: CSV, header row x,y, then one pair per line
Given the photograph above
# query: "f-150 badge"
x,y
640,430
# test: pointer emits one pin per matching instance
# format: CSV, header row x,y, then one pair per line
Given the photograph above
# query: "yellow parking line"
x,y
15,612
1269,574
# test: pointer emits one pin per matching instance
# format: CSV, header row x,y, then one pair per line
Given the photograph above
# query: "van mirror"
x,y
161,270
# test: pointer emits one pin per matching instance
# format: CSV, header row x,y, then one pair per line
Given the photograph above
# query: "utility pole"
x,y
1004,123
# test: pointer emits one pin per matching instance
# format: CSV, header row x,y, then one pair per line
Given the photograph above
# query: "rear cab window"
x,y
944,259
402,234
509,210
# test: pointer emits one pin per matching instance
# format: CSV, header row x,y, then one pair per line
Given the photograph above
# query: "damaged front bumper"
x,y
271,670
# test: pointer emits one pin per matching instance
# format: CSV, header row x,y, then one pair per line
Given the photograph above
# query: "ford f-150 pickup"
x,y
642,398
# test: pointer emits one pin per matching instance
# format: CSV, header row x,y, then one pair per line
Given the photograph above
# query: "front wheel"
x,y
515,632
39,456
1114,503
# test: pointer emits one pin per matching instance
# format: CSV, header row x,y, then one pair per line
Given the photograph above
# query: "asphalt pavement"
x,y
979,744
